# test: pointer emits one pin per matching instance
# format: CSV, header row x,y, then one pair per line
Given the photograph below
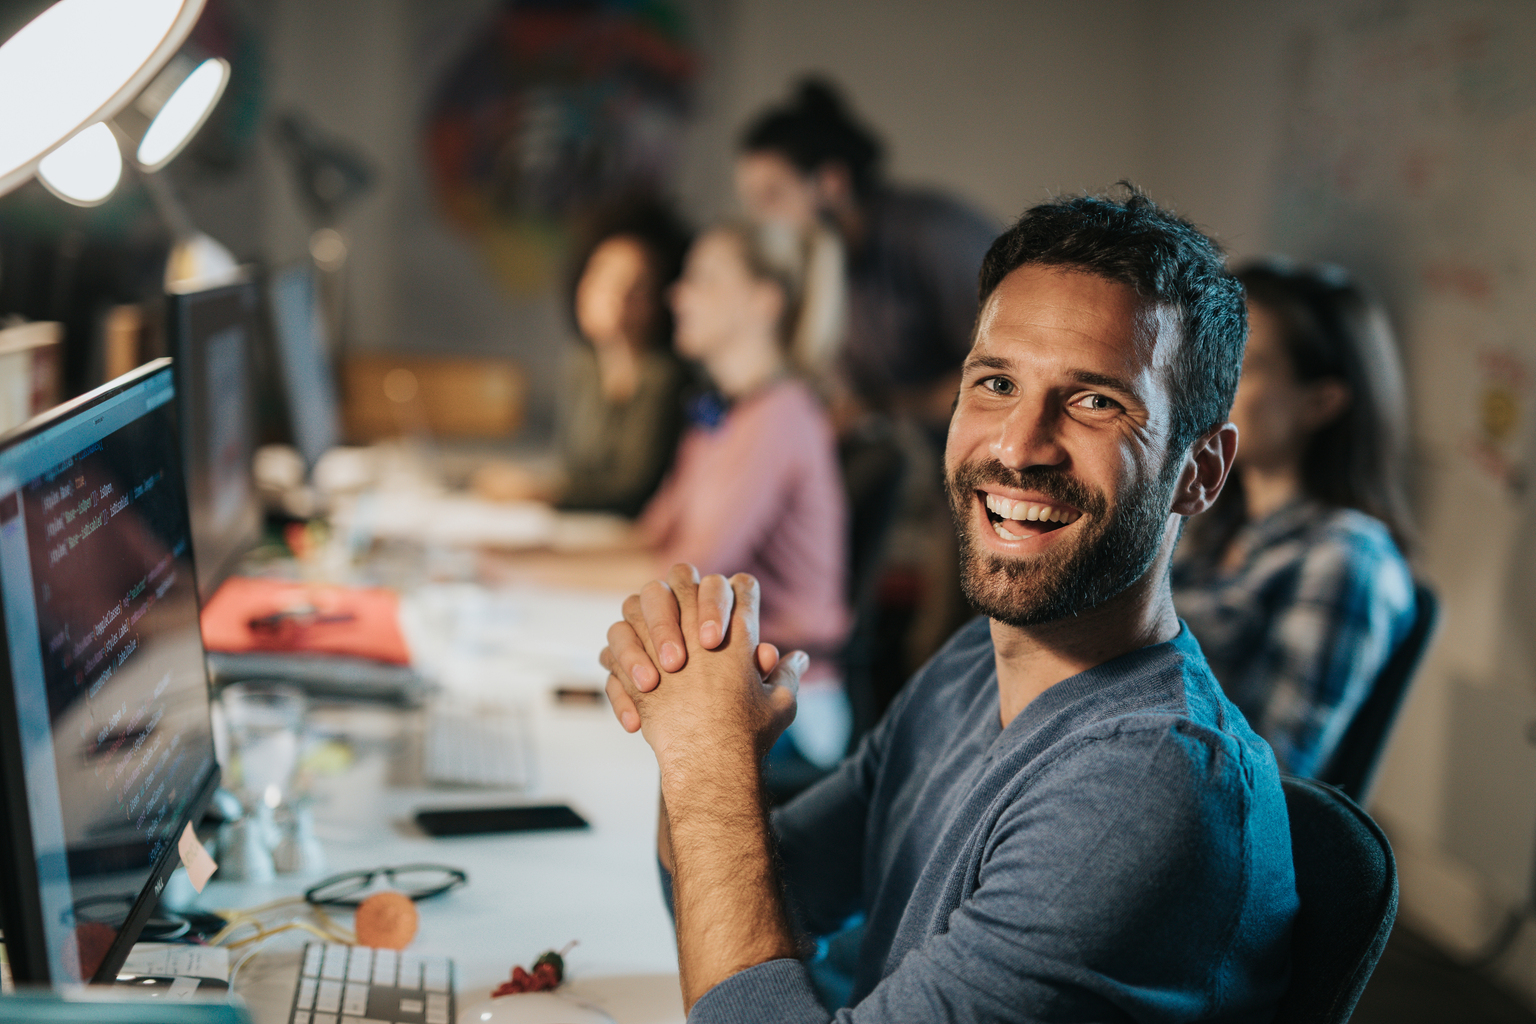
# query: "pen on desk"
x,y
578,695
298,617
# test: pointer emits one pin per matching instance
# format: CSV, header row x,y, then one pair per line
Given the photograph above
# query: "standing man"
x,y
1061,818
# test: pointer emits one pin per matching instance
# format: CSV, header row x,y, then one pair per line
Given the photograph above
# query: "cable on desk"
x,y
327,928
235,970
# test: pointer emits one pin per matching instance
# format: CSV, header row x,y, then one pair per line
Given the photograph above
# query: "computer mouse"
x,y
532,1008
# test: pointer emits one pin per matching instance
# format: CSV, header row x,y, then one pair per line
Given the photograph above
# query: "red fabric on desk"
x,y
372,632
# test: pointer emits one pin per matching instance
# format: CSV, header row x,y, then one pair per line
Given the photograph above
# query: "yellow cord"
x,y
250,917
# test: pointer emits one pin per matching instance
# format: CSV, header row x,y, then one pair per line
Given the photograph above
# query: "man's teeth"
x,y
1029,511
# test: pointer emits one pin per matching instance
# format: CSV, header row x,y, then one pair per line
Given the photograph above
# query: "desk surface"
x,y
526,893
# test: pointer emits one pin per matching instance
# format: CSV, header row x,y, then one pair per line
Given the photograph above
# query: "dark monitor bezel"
x,y
189,363
21,914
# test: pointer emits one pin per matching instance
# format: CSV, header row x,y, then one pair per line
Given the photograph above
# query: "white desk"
x,y
528,892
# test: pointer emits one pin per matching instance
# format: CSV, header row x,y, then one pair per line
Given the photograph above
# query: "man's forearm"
x,y
730,911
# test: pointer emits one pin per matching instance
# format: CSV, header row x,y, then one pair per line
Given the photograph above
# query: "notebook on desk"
x,y
332,642
255,615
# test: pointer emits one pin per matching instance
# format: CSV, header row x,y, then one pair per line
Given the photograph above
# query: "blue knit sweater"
x,y
1120,852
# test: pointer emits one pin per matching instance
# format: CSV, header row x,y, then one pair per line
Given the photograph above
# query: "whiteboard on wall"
x,y
1409,155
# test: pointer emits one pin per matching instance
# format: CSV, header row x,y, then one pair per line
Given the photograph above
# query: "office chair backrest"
x,y
1352,768
1347,883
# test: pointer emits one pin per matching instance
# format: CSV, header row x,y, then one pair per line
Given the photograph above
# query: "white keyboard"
x,y
357,985
477,747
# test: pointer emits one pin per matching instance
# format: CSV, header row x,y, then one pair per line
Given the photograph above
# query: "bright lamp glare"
x,y
85,169
182,115
69,62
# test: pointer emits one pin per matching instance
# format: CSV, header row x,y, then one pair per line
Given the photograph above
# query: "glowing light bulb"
x,y
78,62
85,170
183,114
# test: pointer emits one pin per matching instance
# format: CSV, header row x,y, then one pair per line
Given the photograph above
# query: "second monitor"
x,y
212,336
304,354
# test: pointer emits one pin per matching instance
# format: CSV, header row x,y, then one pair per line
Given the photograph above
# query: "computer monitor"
x,y
212,336
304,355
106,750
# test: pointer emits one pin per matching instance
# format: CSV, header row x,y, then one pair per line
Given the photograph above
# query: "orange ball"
x,y
386,920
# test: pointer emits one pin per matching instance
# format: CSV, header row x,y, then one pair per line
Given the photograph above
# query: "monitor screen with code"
x,y
108,694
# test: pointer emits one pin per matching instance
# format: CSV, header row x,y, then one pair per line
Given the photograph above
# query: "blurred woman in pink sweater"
x,y
755,486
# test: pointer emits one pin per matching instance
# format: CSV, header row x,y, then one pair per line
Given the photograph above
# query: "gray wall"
x,y
1002,103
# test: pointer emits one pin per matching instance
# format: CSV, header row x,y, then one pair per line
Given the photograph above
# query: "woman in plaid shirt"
x,y
1295,583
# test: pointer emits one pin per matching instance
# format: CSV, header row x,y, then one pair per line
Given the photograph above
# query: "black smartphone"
x,y
474,821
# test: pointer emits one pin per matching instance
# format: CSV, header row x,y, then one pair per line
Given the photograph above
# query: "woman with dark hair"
x,y
911,255
1295,583
622,412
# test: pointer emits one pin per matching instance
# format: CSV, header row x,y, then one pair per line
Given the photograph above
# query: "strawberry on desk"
x,y
548,972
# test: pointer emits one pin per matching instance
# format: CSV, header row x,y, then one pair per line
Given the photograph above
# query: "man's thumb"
x,y
786,674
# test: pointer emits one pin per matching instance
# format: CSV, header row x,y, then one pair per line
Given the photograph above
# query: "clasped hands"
x,y
685,668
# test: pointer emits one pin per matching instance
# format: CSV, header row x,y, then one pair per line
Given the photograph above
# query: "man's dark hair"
x,y
815,129
1165,258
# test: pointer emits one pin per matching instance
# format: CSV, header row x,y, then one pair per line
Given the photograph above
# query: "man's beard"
x,y
1116,547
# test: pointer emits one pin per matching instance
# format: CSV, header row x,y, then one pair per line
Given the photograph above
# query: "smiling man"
x,y
1061,818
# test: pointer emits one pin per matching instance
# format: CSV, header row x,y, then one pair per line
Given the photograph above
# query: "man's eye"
x,y
998,385
1097,403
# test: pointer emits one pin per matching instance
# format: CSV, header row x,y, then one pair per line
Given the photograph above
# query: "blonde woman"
x,y
756,487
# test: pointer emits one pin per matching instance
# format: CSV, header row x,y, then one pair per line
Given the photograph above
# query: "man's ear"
x,y
1206,466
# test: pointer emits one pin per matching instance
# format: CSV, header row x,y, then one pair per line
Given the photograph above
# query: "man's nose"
x,y
1030,435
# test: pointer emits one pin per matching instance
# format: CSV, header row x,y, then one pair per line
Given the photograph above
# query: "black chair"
x,y
1352,768
1347,882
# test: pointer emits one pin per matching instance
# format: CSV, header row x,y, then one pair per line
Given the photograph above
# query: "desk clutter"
x,y
328,641
339,708
174,958
399,492
358,985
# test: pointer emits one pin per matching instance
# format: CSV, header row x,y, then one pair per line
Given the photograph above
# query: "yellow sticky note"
x,y
200,867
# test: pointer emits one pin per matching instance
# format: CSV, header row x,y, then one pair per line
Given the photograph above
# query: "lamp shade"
x,y
166,115
84,170
79,62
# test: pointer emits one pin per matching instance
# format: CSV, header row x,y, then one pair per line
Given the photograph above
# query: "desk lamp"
x,y
331,175
82,63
